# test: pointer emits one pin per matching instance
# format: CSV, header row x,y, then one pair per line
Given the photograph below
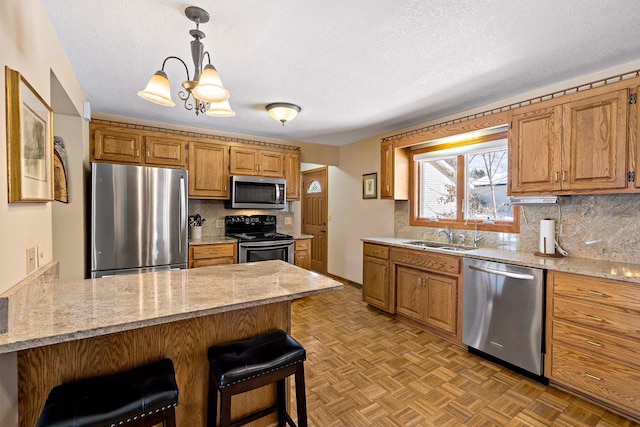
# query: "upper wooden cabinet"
x,y
251,161
292,175
160,151
116,145
208,170
394,172
130,146
578,146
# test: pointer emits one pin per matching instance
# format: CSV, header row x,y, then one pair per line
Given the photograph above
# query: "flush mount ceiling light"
x,y
205,93
283,111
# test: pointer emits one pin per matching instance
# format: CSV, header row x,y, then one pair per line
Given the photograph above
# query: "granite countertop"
x,y
212,240
606,269
93,307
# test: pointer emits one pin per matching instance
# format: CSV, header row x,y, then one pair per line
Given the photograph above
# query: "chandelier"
x,y
205,93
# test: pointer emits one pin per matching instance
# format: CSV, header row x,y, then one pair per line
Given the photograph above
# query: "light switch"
x,y
287,220
219,223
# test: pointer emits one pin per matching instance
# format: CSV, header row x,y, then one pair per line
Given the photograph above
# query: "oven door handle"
x,y
265,245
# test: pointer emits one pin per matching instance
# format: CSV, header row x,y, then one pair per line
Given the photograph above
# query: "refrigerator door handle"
x,y
183,213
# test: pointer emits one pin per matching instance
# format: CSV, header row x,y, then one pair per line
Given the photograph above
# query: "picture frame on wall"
x,y
370,185
29,141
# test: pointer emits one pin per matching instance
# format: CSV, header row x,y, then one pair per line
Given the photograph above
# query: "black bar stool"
x,y
144,396
240,366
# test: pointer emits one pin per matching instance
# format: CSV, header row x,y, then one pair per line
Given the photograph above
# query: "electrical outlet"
x,y
287,220
219,223
31,259
39,255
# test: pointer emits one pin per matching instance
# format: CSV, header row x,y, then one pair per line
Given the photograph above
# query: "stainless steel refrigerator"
x,y
138,219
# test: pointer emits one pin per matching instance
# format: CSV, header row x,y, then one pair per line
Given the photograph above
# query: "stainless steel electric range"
x,y
258,239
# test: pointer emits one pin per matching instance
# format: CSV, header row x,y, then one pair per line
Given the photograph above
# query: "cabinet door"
x,y
595,142
208,170
302,254
292,175
375,282
442,303
117,146
243,161
161,151
386,170
271,163
535,141
410,292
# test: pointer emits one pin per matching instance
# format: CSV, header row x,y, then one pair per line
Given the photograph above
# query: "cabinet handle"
x,y
593,343
148,154
597,319
388,188
595,293
556,177
137,153
564,176
213,252
593,377
225,188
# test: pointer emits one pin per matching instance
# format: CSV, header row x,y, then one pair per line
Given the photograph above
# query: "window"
x,y
464,184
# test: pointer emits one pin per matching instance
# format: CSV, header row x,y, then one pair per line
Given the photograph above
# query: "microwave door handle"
x,y
278,193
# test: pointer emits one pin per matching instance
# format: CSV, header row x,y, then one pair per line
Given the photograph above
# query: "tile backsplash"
x,y
213,210
604,227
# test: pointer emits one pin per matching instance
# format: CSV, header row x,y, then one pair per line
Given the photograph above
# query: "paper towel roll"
x,y
547,244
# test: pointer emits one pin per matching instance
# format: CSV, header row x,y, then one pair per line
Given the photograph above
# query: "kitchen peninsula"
x,y
93,327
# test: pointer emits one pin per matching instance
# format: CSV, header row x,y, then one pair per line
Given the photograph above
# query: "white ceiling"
x,y
357,68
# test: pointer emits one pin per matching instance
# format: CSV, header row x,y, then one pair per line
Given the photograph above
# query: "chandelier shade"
x,y
209,88
220,109
283,111
205,91
158,90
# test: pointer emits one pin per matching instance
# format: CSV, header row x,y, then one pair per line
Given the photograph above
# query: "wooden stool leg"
x,y
301,398
170,417
282,403
212,410
225,409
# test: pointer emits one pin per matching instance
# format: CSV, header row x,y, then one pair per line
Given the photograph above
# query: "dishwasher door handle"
x,y
503,273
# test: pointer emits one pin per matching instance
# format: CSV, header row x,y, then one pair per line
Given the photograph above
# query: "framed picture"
x,y
29,142
370,186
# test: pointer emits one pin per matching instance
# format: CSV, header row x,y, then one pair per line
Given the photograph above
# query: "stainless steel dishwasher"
x,y
503,312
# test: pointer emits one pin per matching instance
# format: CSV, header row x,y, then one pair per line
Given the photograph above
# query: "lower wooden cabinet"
x,y
593,342
216,254
302,253
376,284
427,297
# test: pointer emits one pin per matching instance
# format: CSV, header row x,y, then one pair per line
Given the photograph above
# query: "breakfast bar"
x,y
95,327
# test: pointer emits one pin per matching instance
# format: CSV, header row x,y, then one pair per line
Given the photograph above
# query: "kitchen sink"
x,y
436,245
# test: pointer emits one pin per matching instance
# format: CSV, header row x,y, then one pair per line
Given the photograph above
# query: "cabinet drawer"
x,y
601,344
302,245
608,381
597,317
602,291
376,251
428,260
213,251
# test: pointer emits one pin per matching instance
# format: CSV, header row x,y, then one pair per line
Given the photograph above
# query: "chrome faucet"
x,y
476,238
462,238
448,232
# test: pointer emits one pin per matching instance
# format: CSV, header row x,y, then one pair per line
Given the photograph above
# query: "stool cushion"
x,y
110,399
241,360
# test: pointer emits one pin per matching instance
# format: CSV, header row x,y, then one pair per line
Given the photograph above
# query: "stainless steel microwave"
x,y
253,192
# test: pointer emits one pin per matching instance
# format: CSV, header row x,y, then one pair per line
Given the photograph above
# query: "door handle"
x,y
323,230
503,273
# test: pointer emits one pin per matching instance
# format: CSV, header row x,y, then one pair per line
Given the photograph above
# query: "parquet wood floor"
x,y
366,369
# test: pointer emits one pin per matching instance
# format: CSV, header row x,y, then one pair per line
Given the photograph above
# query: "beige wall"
x,y
69,219
29,45
351,216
